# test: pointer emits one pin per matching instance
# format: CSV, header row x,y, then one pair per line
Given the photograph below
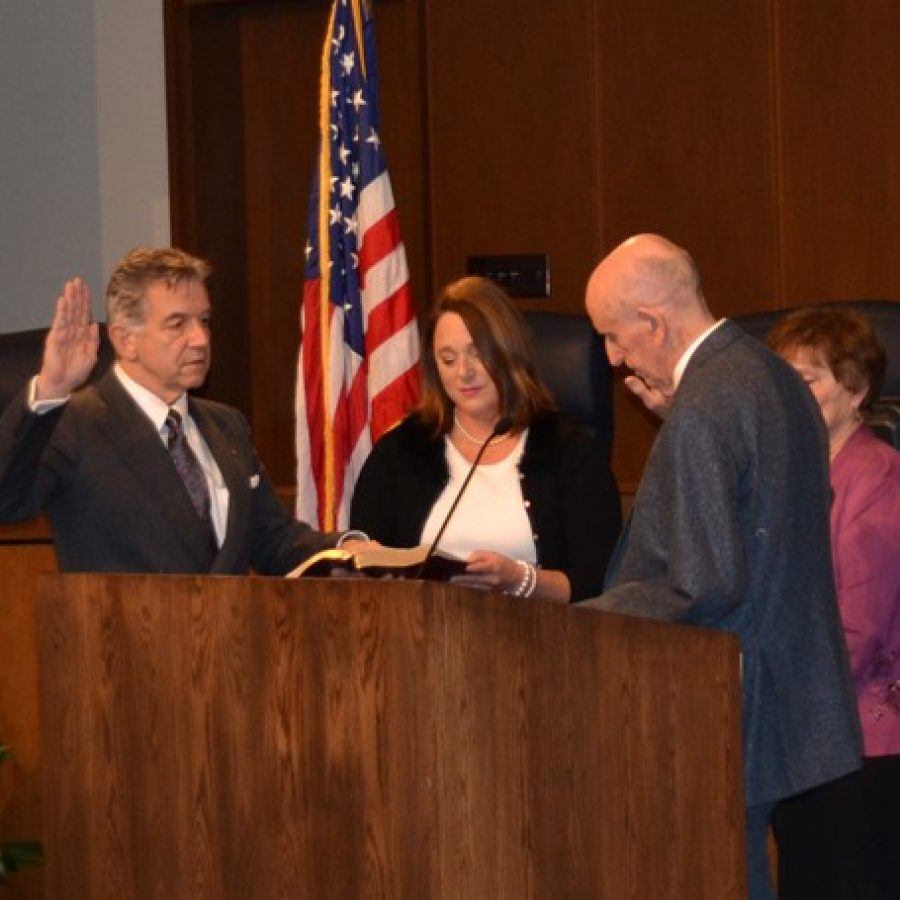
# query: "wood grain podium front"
x,y
260,738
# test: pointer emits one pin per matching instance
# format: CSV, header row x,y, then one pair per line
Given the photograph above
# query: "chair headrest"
x,y
20,358
572,362
885,317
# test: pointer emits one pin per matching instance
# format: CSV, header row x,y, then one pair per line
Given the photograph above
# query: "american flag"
x,y
357,372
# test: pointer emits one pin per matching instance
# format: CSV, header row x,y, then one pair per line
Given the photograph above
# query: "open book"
x,y
399,562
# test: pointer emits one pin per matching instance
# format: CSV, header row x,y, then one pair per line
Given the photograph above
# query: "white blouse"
x,y
491,514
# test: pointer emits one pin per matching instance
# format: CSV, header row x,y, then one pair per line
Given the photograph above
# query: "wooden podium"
x,y
260,738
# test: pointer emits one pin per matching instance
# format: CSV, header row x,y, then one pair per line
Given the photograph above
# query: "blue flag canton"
x,y
355,159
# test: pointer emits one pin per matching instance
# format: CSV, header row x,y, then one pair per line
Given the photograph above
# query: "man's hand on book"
x,y
345,568
354,545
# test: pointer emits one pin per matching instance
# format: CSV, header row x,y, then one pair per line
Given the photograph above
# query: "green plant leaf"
x,y
15,855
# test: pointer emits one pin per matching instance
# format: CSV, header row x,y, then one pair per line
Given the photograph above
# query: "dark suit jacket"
x,y
115,502
730,529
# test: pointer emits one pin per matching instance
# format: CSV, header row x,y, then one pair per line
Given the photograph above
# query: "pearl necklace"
x,y
475,440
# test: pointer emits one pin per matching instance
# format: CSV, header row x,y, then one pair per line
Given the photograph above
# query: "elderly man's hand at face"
x,y
653,398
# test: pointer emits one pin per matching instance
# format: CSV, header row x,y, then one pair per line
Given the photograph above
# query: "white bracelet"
x,y
532,581
520,587
353,535
525,588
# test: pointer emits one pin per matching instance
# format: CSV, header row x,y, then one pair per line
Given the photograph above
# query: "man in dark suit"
x,y
729,527
128,484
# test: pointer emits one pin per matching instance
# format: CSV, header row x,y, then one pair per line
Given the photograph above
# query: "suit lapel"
x,y
725,335
133,437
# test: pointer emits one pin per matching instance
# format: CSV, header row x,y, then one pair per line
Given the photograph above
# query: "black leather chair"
x,y
20,358
884,417
572,361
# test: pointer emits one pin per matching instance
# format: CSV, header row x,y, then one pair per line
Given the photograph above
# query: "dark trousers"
x,y
841,840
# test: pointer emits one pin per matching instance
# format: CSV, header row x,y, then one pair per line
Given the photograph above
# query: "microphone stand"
x,y
502,427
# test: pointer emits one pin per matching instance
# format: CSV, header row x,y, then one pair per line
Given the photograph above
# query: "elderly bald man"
x,y
729,527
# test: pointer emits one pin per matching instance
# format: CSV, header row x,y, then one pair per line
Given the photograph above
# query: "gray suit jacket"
x,y
730,530
99,469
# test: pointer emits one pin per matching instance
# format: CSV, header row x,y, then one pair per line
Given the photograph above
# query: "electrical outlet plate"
x,y
519,274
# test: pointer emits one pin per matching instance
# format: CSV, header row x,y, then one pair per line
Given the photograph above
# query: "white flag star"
x,y
347,188
373,138
357,99
339,39
348,62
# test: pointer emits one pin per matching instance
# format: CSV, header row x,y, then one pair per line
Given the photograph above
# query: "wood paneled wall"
x,y
839,150
760,134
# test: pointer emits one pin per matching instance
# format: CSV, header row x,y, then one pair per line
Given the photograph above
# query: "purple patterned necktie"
x,y
188,467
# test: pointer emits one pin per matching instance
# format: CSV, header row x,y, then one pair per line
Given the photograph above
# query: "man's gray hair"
x,y
141,267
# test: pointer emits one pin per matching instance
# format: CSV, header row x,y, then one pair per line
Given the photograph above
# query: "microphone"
x,y
502,427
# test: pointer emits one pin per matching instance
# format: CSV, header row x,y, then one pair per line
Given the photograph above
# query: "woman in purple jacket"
x,y
843,839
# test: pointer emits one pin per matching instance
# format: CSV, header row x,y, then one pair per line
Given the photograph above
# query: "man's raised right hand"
x,y
72,345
